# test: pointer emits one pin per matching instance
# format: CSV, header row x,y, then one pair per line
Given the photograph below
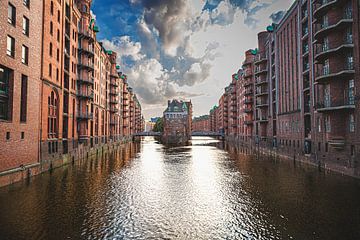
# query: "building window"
x,y
58,16
26,26
23,103
327,124
351,92
51,28
25,55
58,35
349,36
52,8
325,45
352,150
26,3
325,21
350,61
352,123
22,135
319,124
326,68
58,55
10,48
7,135
50,70
50,49
11,14
52,116
6,76
348,11
57,74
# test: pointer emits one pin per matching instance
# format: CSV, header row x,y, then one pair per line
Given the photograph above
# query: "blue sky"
x,y
185,49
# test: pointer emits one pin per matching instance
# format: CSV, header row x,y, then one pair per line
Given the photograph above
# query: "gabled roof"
x,y
176,106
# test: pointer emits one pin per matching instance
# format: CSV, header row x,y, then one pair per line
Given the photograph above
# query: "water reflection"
x,y
148,191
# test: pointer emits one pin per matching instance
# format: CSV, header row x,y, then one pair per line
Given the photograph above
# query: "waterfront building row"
x,y
296,92
201,124
61,92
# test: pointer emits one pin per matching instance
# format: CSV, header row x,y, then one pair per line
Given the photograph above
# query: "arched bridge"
x,y
195,134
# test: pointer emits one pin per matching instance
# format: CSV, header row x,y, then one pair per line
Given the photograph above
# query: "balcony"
x,y
114,93
248,110
248,100
260,58
89,51
322,30
84,116
86,94
326,74
248,83
261,82
261,104
86,65
248,92
262,119
113,101
327,106
248,73
86,80
113,83
261,92
248,122
86,34
321,7
324,50
114,109
259,70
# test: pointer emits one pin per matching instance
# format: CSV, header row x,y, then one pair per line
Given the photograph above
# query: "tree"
x,y
159,125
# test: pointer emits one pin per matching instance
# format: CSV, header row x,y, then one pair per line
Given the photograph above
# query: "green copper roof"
x,y
117,67
96,29
271,27
254,51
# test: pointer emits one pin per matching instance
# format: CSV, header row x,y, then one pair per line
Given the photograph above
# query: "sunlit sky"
x,y
184,49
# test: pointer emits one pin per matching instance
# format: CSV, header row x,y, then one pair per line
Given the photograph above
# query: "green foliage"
x,y
159,125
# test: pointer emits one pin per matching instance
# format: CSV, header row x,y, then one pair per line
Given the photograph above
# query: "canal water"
x,y
202,191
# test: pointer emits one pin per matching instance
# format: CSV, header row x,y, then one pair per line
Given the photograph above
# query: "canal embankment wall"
x,y
348,167
49,162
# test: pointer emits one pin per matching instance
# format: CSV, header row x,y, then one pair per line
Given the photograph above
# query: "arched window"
x,y
52,116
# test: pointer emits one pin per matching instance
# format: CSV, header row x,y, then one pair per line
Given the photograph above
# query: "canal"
x,y
202,191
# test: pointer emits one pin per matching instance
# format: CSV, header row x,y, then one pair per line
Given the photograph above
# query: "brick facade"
x,y
75,99
297,90
201,124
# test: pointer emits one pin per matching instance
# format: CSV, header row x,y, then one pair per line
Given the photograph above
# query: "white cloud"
x,y
186,52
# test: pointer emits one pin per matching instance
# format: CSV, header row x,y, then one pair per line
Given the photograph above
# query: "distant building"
x,y
201,124
177,121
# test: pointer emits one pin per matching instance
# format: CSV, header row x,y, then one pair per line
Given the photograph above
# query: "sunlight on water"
x,y
149,191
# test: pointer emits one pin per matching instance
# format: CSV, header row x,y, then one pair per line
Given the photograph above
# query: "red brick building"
x,y
298,87
201,124
177,121
214,119
79,99
20,86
